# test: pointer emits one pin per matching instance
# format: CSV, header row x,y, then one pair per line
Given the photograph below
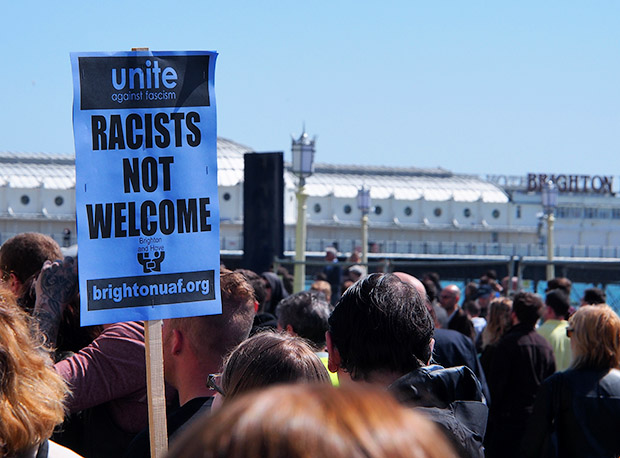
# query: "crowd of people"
x,y
373,365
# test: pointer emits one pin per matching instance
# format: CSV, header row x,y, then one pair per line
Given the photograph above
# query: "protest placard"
x,y
146,185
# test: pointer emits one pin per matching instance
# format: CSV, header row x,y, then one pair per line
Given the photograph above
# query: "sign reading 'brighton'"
x,y
146,185
599,184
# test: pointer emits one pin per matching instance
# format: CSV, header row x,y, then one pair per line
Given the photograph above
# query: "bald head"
x,y
449,298
410,279
421,289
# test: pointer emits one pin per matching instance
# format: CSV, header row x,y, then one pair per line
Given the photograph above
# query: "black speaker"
x,y
263,210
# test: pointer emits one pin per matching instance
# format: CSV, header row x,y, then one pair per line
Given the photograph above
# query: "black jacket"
x,y
522,360
583,408
453,399
454,349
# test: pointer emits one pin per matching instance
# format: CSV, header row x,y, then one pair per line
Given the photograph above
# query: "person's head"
x,y
209,338
356,272
471,291
23,255
420,287
330,253
355,256
270,358
346,285
498,321
560,283
527,307
305,314
31,392
558,303
274,289
413,281
322,287
380,324
593,296
434,277
471,308
430,289
449,298
313,420
287,279
509,285
257,283
484,295
595,338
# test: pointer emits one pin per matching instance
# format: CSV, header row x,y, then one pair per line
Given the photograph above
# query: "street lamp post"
x,y
303,167
363,204
550,202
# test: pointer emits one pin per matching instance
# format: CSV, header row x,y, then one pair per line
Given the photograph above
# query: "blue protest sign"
x,y
146,185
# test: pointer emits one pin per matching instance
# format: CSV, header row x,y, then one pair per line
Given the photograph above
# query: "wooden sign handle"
x,y
156,393
158,431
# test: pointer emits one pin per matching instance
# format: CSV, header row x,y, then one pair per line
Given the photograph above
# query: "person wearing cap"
x,y
483,297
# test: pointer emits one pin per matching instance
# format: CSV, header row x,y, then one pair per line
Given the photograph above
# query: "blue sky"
x,y
474,87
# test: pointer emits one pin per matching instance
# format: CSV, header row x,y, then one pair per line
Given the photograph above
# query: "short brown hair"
x,y
269,358
596,335
562,283
219,334
31,392
528,307
313,420
25,253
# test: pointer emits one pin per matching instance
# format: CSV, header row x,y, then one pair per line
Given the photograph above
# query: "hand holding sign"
x,y
55,287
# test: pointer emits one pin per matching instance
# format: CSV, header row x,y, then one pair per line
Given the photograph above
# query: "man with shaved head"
x,y
457,318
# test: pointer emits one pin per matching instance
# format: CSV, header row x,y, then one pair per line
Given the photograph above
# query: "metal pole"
x,y
519,274
365,240
300,239
550,266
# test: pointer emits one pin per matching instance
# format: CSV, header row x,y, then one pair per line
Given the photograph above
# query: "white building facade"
x,y
414,211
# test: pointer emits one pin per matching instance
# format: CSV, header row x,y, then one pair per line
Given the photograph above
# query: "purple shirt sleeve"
x,y
111,369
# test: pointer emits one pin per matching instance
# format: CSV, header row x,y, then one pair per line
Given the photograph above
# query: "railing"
x,y
445,248
62,240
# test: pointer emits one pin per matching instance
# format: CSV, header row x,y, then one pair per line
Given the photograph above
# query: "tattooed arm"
x,y
55,287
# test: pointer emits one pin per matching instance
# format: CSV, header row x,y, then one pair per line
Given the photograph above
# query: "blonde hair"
x,y
313,420
498,321
31,392
596,338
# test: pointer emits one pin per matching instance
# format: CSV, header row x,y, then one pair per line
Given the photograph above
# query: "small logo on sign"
x,y
151,262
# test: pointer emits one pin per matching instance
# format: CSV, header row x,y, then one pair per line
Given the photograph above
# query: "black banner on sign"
x,y
144,82
110,293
